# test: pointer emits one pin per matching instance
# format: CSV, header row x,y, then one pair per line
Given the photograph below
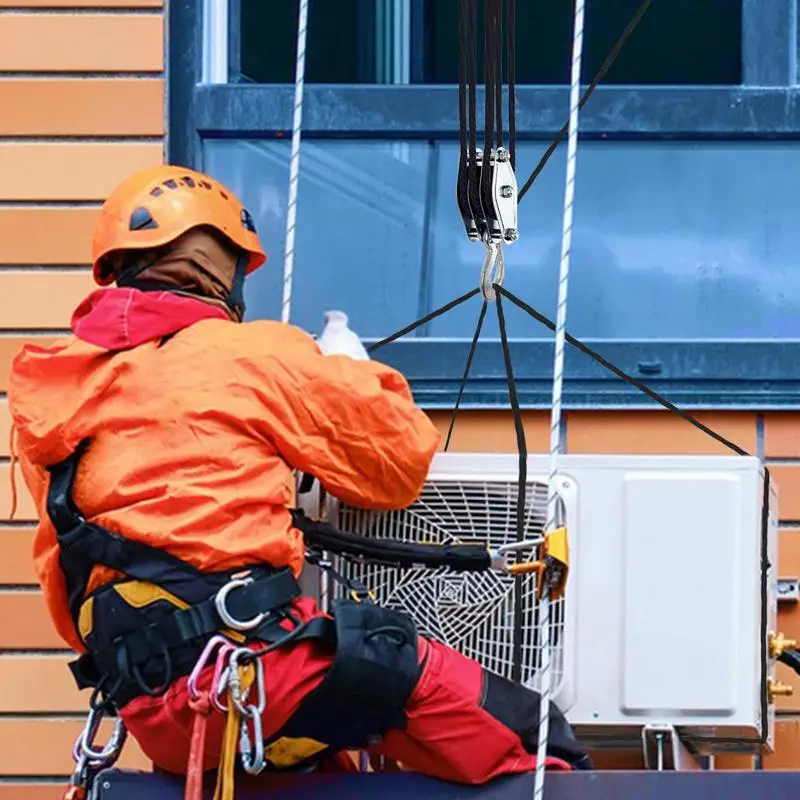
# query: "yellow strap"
x,y
230,740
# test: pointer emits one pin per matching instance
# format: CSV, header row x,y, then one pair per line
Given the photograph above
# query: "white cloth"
x,y
337,339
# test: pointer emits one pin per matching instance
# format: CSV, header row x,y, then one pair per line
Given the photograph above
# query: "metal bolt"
x,y
106,784
506,191
566,484
511,235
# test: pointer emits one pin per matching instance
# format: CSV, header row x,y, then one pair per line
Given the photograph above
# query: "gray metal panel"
x,y
743,375
401,786
431,111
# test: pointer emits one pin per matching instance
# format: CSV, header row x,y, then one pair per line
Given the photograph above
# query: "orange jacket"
x,y
194,439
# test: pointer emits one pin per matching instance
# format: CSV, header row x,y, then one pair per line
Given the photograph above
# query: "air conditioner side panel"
x,y
681,618
666,596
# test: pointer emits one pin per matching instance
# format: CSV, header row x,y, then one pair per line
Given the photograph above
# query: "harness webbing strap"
x,y
265,596
84,545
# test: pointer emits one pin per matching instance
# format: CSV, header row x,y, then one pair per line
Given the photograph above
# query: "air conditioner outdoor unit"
x,y
671,596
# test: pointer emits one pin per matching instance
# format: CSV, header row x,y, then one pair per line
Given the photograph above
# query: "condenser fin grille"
x,y
490,617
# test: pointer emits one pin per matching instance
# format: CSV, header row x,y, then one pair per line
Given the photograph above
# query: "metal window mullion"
x,y
215,41
393,41
769,43
401,42
234,41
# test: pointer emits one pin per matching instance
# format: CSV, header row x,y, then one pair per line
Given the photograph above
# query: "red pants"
x,y
448,735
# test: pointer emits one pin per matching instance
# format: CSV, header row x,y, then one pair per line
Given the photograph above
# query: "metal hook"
x,y
494,269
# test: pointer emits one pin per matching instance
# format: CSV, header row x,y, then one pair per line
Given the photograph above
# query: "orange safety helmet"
x,y
157,205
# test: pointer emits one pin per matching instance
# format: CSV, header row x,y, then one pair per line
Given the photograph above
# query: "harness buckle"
x,y
220,602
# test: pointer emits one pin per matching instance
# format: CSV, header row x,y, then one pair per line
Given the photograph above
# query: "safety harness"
x,y
151,626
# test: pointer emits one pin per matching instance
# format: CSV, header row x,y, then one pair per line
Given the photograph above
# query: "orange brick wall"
x,y
81,105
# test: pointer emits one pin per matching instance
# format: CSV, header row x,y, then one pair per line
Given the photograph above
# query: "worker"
x,y
159,444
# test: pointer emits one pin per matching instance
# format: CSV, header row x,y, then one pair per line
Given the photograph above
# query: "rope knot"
x,y
201,704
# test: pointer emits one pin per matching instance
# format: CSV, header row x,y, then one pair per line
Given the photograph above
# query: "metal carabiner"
x,y
78,783
110,752
214,643
219,681
219,686
251,749
89,730
494,269
239,698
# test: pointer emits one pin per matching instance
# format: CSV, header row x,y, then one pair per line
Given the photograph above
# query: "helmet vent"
x,y
171,184
141,220
157,191
247,221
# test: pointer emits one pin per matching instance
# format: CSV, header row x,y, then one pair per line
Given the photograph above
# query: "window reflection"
x,y
672,240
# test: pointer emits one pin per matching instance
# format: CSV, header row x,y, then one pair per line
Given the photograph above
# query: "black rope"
x,y
642,387
497,68
607,64
519,428
462,183
473,188
465,376
522,489
511,62
422,320
490,133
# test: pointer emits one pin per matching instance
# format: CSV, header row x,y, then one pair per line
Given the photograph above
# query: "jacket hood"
x,y
119,319
51,385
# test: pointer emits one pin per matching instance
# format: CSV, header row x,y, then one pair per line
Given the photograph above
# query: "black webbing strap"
x,y
266,595
84,545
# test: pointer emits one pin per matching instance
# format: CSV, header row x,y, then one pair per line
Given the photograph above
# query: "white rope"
x,y
294,164
545,674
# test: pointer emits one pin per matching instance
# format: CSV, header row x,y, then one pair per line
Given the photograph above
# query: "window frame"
x,y
733,374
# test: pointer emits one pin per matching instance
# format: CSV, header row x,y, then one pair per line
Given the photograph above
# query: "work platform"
x,y
646,785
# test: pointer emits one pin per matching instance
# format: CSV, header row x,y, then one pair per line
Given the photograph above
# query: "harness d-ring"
x,y
221,604
494,269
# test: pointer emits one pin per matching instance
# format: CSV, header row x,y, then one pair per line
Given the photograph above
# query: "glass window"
x,y
672,240
340,45
359,241
677,42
